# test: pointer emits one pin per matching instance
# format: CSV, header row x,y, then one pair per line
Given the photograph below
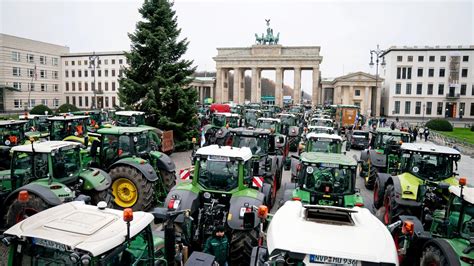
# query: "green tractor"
x,y
382,156
282,145
450,238
51,173
222,192
218,131
12,133
291,128
141,175
325,179
70,128
97,119
251,116
37,126
129,118
422,167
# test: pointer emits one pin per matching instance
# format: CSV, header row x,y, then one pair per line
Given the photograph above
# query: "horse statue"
x,y
258,39
269,38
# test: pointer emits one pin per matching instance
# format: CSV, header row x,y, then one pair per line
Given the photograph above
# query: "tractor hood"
x,y
365,238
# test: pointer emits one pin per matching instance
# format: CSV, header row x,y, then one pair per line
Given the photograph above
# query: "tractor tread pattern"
x,y
241,246
144,187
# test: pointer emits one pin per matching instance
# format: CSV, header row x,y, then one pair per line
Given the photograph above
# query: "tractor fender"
x,y
294,164
398,194
146,169
266,189
450,255
41,191
92,180
163,161
383,178
364,155
189,201
418,229
377,160
277,163
234,221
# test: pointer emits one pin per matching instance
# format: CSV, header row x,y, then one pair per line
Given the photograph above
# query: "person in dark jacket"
x,y
415,133
218,245
427,134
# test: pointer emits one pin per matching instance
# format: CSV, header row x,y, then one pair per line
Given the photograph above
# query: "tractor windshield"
x,y
219,120
11,135
219,173
28,166
328,179
130,120
323,145
63,128
267,124
36,254
115,146
434,167
385,140
321,123
288,120
66,162
142,143
258,145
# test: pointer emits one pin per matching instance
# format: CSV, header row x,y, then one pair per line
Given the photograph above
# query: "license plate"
x,y
331,260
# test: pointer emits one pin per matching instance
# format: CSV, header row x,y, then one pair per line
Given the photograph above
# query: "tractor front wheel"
x,y
372,175
241,245
432,256
131,189
104,195
18,211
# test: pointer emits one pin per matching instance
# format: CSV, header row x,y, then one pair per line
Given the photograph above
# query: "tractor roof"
x,y
286,114
228,114
276,120
321,119
76,225
12,122
45,147
429,148
323,136
68,117
129,113
302,229
24,117
467,192
385,130
244,153
250,131
122,130
88,112
327,158
320,127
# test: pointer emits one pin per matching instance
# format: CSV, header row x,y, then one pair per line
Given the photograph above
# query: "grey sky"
x,y
345,30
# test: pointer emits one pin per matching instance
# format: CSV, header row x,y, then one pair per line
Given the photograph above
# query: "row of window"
x,y
31,73
99,62
86,86
103,101
30,58
405,72
430,88
86,73
41,87
431,58
19,103
429,108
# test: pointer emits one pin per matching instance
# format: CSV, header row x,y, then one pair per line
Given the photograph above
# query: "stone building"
x,y
205,87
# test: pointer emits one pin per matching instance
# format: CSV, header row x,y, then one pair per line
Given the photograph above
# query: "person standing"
x,y
427,133
218,245
415,133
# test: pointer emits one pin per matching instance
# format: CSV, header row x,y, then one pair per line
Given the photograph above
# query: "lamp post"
x,y
377,54
94,62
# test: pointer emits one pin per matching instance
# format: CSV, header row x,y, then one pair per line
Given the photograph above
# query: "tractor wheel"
x,y
131,189
392,209
241,245
169,179
18,211
433,256
378,200
104,195
363,169
369,182
279,177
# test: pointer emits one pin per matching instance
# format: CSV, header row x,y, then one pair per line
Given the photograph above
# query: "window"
x,y
463,89
417,108
92,73
419,88
465,58
99,73
31,86
442,58
44,87
410,58
441,72
32,103
55,87
42,60
73,63
127,61
30,58
85,62
440,89
113,61
439,108
472,109
464,73
357,92
120,61
17,104
428,108
54,61
56,103
100,62
31,72
431,72
408,89
66,73
113,101
113,85
80,100
73,86
16,56
86,100
430,89
67,99
398,88
120,73
79,62
66,63
86,86
16,72
86,73
55,75
99,86
106,73
73,73
472,90
399,58
106,62
67,86
44,102
420,58
432,58
106,85
113,72
79,73
462,109
17,85
420,72
106,101
79,86
403,72
407,107
73,100
397,107
43,74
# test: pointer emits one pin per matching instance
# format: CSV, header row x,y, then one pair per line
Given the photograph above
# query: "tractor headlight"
x,y
309,170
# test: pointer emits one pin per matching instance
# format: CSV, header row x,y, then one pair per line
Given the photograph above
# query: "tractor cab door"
x,y
115,147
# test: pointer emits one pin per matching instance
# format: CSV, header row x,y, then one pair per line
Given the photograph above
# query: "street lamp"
x,y
94,62
377,54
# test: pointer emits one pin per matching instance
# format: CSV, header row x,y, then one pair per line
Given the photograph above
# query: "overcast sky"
x,y
345,30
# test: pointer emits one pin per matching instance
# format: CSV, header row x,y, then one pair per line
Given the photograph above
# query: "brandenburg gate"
x,y
267,54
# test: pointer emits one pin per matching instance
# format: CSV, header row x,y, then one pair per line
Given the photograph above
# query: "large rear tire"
x,y
131,189
241,246
104,195
369,182
378,200
18,211
432,255
392,209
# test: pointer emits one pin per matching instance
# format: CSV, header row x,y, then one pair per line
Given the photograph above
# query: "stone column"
x,y
236,88
378,101
219,85
225,86
242,86
211,92
259,85
255,82
279,86
351,95
366,100
297,86
315,96
201,94
338,95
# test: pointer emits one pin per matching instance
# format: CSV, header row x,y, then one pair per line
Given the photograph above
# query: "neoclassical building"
x,y
355,88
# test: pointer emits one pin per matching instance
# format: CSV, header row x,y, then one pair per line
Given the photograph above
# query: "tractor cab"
x,y
129,118
321,129
322,142
12,133
386,140
322,122
37,125
326,179
71,128
224,119
273,124
251,116
289,121
97,118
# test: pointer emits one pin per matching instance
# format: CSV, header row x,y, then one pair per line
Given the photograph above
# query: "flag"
x,y
203,138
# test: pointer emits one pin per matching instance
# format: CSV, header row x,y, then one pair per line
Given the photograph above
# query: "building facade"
x,y
30,73
205,87
429,82
82,70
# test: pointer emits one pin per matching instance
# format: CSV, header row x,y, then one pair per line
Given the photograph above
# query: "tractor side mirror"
x,y
249,220
94,147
